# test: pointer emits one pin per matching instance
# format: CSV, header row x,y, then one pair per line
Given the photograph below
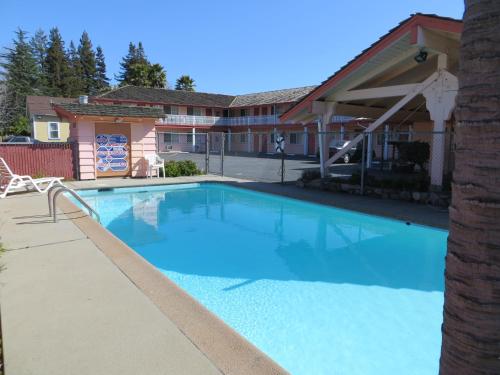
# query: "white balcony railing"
x,y
224,121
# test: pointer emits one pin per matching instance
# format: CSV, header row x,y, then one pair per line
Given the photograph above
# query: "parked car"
x,y
336,146
19,139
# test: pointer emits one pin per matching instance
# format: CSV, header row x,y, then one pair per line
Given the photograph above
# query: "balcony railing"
x,y
224,121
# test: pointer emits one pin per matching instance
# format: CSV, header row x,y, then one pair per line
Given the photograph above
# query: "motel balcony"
x,y
219,121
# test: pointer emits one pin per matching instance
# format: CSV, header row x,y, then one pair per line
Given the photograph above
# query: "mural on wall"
x,y
112,152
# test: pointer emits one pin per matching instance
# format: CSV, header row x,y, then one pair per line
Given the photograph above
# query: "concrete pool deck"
x,y
75,299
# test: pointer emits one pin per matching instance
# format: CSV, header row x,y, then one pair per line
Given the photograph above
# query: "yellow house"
x,y
46,125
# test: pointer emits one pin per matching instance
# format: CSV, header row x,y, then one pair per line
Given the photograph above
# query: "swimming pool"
x,y
320,290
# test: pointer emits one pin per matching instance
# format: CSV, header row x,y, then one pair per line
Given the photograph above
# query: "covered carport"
x,y
407,76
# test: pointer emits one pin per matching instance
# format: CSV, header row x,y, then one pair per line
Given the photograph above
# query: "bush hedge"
x,y
181,168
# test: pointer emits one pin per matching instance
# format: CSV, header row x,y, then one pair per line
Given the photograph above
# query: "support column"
x,y
440,101
193,141
386,142
229,140
306,140
369,149
326,110
249,141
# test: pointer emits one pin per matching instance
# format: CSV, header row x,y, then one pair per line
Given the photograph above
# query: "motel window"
x,y
243,112
54,130
264,111
189,138
243,138
171,109
196,111
295,138
208,112
170,138
189,111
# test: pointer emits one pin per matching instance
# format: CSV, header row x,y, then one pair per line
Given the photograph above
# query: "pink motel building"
x,y
250,121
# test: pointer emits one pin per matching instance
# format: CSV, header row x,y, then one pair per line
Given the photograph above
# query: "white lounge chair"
x,y
155,163
10,182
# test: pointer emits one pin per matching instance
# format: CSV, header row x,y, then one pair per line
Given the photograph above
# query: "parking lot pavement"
x,y
257,168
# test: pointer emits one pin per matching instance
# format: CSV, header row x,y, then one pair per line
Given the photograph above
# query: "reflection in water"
x,y
222,233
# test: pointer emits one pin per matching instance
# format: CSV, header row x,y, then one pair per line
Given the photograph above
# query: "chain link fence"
x,y
398,160
246,155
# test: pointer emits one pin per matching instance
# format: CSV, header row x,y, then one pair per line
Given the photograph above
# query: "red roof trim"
x,y
408,25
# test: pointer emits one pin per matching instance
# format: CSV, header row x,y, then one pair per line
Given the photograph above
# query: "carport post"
x,y
363,156
207,153
223,139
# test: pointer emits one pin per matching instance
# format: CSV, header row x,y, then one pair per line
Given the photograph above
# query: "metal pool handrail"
x,y
60,189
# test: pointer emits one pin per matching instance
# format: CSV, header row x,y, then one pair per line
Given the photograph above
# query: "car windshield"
x,y
339,144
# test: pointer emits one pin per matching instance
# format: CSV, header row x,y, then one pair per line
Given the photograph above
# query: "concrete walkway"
x,y
67,309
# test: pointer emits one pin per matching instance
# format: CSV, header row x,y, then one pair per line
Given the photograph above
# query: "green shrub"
x,y
414,152
188,168
310,174
181,168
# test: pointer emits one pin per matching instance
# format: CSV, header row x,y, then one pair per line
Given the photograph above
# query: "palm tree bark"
x,y
471,327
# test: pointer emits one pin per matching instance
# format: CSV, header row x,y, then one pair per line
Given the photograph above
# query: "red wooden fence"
x,y
40,159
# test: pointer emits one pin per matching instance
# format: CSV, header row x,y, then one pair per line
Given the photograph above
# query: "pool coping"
x,y
230,352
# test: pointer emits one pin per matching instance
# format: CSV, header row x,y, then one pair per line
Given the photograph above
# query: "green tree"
x,y
87,63
75,72
138,71
57,66
102,81
20,73
185,83
157,76
39,46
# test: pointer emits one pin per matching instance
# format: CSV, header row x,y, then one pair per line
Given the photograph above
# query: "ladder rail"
x,y
52,198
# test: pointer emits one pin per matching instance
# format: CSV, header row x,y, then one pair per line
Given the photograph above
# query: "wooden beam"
x,y
386,116
375,93
435,42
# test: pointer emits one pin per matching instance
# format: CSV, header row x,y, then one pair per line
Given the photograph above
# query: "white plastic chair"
x,y
155,163
10,182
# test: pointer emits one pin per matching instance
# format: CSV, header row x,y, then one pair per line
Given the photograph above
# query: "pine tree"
x,y
138,71
57,66
185,83
20,73
75,72
88,64
102,81
39,45
127,61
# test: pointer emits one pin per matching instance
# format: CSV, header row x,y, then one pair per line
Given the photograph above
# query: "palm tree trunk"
x,y
471,327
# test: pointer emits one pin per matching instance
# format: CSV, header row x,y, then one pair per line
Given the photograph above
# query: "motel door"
x,y
256,138
311,144
264,143
112,150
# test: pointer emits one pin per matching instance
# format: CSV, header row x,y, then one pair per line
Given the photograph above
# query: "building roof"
x,y
271,97
167,96
108,110
202,99
42,105
404,26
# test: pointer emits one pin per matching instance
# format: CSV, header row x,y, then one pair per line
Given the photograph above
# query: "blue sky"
x,y
231,47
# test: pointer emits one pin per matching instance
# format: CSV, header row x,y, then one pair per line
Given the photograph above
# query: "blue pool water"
x,y
320,290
